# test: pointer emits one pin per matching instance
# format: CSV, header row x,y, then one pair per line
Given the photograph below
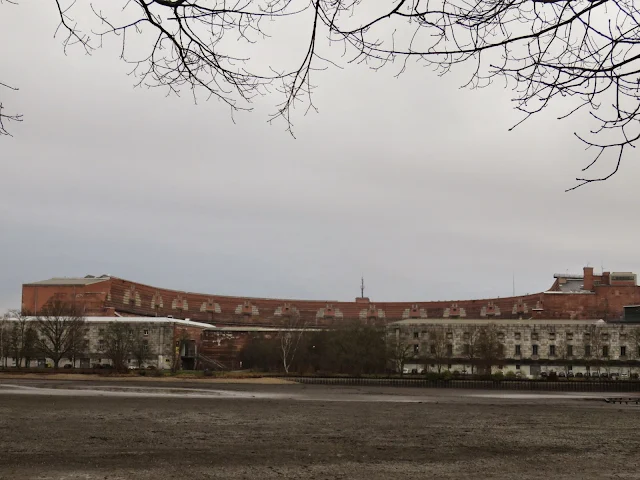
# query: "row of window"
x,y
535,350
534,336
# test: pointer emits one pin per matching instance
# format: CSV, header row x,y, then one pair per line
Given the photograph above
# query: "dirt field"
x,y
121,430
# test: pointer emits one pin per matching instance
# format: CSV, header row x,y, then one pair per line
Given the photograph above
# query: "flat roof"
x,y
68,281
151,320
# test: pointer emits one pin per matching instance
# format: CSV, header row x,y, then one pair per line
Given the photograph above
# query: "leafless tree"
x,y
79,345
5,116
5,340
593,338
437,349
399,351
470,345
289,338
58,327
584,51
22,338
116,344
489,349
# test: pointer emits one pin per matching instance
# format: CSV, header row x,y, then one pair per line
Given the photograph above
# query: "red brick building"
x,y
570,297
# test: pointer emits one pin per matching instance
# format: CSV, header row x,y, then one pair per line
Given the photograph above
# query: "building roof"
x,y
69,281
147,320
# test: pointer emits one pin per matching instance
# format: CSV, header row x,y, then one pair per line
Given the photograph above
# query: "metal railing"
x,y
560,386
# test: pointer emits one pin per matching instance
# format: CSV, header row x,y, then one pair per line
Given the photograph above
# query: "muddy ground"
x,y
89,430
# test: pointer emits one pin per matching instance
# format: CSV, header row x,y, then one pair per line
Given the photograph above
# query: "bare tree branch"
x,y
585,53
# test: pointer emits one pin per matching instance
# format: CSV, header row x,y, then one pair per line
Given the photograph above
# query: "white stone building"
x,y
161,334
530,347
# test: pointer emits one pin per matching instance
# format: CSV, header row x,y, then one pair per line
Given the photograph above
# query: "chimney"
x,y
588,278
606,278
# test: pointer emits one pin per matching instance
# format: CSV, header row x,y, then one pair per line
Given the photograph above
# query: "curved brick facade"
x,y
106,296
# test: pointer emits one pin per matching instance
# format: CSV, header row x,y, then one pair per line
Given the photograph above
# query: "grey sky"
x,y
412,182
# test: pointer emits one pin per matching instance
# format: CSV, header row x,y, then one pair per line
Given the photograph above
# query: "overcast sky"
x,y
410,181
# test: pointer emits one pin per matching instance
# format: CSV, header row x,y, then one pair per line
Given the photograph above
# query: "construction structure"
x,y
585,296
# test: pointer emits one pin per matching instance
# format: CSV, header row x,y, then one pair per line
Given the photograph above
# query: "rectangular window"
x,y
518,350
587,350
605,351
552,350
570,367
449,367
500,367
500,349
101,331
535,349
145,345
146,332
534,335
517,335
569,336
449,335
517,367
569,350
552,335
101,344
433,349
449,350
465,336
416,334
623,351
466,349
416,349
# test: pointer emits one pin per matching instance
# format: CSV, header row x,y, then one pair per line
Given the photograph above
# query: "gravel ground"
x,y
244,431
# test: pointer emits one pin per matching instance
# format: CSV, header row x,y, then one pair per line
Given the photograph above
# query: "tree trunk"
x,y
56,362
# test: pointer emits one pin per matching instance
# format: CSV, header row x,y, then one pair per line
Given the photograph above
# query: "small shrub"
x,y
497,376
511,375
446,375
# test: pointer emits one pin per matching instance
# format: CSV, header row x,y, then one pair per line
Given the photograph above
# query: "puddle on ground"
x,y
160,392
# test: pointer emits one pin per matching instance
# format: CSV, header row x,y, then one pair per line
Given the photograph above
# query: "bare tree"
x,y
488,347
5,340
437,348
583,52
289,338
58,327
22,337
593,340
399,352
470,345
116,344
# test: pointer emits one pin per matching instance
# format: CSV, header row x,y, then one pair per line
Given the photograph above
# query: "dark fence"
x,y
559,386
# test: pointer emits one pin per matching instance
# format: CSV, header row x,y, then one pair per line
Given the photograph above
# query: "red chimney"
x,y
588,278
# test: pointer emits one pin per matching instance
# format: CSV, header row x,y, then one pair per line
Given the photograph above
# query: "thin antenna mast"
x,y
362,286
514,283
